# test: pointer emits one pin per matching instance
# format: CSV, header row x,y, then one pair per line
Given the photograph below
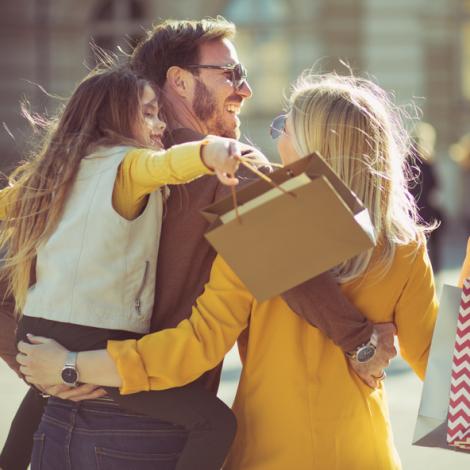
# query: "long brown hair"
x,y
103,110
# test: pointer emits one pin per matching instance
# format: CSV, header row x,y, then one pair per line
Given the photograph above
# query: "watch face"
x,y
69,375
366,353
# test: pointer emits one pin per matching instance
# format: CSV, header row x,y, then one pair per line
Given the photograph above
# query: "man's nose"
x,y
245,90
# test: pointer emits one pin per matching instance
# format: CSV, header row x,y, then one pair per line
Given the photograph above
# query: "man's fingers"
x,y
392,351
372,382
386,328
99,393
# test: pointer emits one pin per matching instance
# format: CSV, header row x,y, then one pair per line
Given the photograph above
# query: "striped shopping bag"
x,y
458,421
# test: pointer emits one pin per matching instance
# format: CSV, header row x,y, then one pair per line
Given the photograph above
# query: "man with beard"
x,y
203,88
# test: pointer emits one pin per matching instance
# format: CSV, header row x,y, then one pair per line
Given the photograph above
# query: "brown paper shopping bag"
x,y
432,425
277,240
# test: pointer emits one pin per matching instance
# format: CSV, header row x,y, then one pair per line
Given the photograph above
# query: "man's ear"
x,y
180,81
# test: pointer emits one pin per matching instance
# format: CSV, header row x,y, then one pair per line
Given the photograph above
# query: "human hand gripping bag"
x,y
275,238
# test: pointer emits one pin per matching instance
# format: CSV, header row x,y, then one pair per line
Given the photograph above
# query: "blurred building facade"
x,y
418,49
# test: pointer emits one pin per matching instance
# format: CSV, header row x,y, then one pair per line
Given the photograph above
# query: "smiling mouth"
x,y
156,140
233,109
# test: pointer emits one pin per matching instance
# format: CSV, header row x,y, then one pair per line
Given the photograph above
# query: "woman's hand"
x,y
42,361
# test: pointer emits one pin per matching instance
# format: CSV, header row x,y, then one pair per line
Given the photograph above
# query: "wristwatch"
x,y
365,352
69,372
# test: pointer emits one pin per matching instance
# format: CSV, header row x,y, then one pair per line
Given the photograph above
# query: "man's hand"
x,y
82,392
372,372
42,361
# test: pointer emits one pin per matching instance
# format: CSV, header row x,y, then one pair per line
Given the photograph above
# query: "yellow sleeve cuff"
x,y
129,365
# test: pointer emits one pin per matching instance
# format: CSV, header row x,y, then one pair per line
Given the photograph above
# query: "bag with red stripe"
x,y
444,412
458,424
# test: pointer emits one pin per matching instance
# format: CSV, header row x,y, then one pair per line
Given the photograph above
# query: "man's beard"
x,y
205,108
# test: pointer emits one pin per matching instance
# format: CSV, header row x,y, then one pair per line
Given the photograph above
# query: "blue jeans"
x,y
97,434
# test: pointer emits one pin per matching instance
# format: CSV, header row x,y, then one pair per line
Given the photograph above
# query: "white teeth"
x,y
233,109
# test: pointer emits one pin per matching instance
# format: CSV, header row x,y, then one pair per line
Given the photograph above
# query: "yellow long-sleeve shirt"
x,y
143,171
298,405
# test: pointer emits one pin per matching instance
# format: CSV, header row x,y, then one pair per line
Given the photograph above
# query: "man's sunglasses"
x,y
278,126
239,74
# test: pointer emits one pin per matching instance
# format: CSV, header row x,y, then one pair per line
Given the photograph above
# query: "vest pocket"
x,y
137,300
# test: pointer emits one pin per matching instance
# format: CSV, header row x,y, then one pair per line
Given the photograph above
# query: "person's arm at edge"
x,y
465,271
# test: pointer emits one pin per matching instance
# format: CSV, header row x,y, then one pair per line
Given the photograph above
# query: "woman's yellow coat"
x,y
298,404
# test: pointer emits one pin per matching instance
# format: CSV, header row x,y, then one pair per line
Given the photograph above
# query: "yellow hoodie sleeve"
x,y
177,356
143,171
416,312
465,271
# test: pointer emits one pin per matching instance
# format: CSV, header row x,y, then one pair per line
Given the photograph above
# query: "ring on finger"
x,y
381,377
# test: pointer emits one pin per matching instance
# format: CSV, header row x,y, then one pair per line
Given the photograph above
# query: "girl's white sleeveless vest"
x,y
97,268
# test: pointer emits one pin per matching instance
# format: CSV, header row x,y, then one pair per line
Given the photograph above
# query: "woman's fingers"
x,y
22,359
38,339
41,362
24,348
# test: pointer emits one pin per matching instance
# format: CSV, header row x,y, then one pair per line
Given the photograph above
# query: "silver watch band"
x,y
71,359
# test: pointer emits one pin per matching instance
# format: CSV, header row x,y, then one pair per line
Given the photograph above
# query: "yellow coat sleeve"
x,y
416,312
143,171
465,272
177,356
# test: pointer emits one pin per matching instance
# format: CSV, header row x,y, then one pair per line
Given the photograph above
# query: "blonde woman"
x,y
298,404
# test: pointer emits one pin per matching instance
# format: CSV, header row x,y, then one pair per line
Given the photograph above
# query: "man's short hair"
x,y
176,43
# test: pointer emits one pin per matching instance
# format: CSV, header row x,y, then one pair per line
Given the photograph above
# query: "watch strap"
x,y
71,359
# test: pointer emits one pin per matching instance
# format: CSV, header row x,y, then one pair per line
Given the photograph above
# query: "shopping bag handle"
x,y
244,161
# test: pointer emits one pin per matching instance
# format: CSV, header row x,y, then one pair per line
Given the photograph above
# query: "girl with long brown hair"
x,y
82,220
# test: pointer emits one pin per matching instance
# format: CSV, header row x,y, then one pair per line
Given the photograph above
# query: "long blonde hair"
x,y
351,122
103,110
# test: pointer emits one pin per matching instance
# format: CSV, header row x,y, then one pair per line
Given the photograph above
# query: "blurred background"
x,y
416,49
